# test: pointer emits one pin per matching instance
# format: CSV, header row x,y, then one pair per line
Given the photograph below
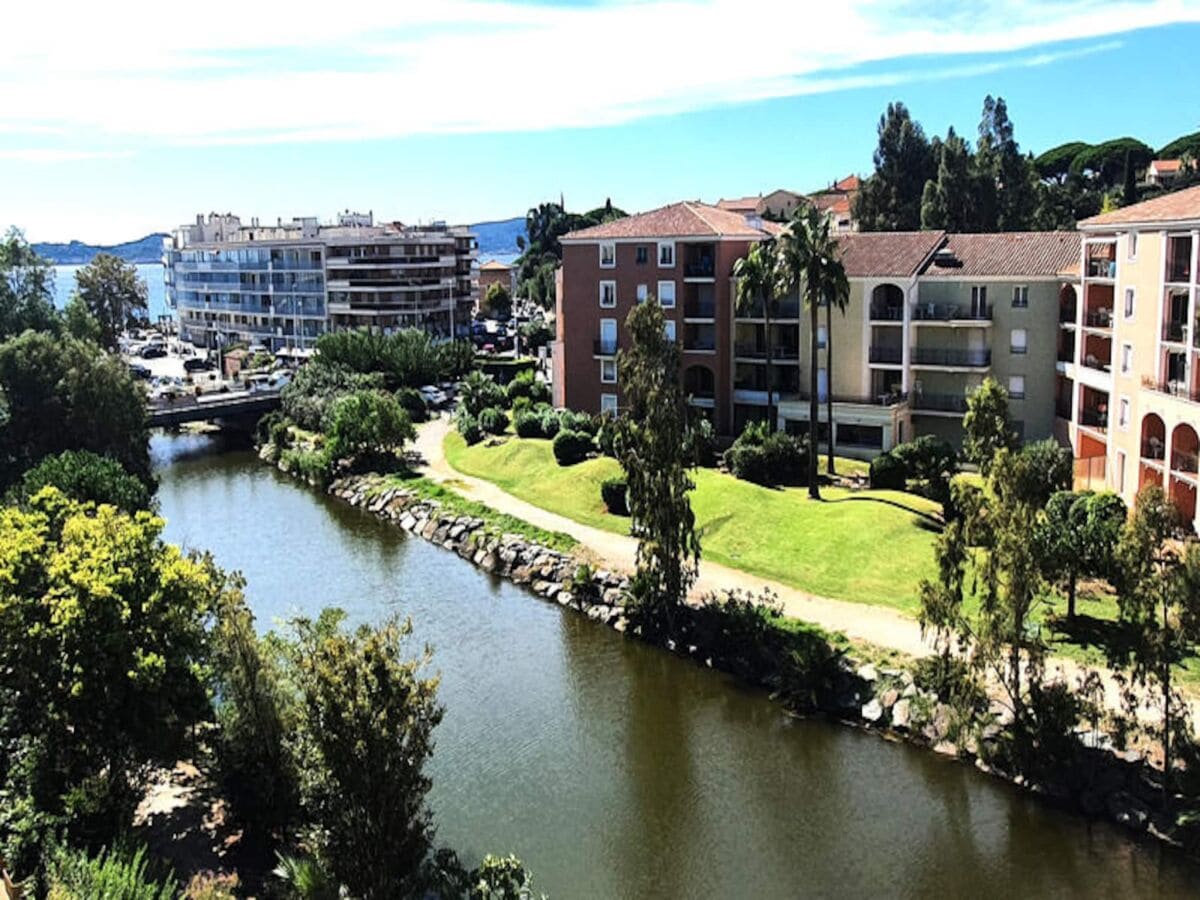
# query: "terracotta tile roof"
x,y
835,203
493,266
849,183
895,254
1163,166
685,219
1179,206
1014,254
740,203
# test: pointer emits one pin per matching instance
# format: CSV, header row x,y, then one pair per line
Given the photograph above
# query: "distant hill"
x,y
499,238
76,253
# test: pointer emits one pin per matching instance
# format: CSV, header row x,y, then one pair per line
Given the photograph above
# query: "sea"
x,y
151,273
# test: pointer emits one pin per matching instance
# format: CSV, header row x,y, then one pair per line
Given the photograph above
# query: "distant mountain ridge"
x,y
495,239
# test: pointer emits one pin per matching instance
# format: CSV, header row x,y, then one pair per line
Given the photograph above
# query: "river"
x,y
616,770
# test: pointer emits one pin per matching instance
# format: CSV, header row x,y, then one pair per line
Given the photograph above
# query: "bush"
x,y
932,461
527,385
314,466
309,397
414,404
569,420
86,477
768,458
528,424
615,493
478,392
468,426
704,441
493,420
73,875
571,447
368,423
551,423
888,473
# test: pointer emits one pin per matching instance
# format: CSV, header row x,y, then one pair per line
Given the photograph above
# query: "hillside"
x,y
499,238
143,250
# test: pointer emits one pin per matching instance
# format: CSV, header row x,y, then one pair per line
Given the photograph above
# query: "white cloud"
x,y
58,154
135,73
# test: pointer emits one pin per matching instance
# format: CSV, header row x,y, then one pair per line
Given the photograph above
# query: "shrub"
x,y
606,437
570,420
748,462
493,420
615,493
308,398
768,458
551,423
369,423
468,426
571,447
86,477
528,424
480,391
888,473
704,440
521,404
931,461
527,385
315,466
73,874
414,404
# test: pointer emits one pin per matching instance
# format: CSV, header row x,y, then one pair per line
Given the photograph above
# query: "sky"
x,y
127,117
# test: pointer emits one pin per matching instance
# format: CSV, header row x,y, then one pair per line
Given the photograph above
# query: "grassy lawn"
x,y
866,546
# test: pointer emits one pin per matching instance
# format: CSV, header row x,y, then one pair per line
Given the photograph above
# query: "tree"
x,y
80,323
479,392
368,719
69,395
1188,145
755,274
1058,162
86,477
999,158
987,427
1040,470
368,423
654,448
113,293
498,302
1106,162
26,288
890,200
308,399
103,650
838,295
1158,584
1129,191
808,263
961,199
1077,536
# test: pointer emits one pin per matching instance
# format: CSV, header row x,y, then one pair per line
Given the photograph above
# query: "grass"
x,y
865,546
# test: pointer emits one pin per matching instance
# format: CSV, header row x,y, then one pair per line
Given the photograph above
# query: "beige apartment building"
x,y
930,316
1128,381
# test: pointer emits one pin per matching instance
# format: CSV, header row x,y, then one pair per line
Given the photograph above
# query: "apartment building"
x,y
284,285
1128,371
929,316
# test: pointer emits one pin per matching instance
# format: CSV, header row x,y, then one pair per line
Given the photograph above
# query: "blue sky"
x,y
125,118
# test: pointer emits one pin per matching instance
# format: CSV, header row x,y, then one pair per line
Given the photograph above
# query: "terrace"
x,y
1179,260
1101,260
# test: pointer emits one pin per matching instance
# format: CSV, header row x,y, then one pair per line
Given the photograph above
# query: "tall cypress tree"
x,y
890,200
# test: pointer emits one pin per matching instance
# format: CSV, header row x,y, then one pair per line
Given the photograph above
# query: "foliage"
x,y
113,293
545,224
932,462
890,200
63,394
888,472
26,288
763,457
84,476
111,875
961,197
703,435
1188,145
309,397
528,423
615,494
756,277
1040,470
527,384
212,886
406,358
313,465
570,420
493,420
500,878
987,426
368,423
571,447
414,404
551,423
457,358
306,878
103,646
535,334
468,426
1004,170
80,323
1077,536
368,719
497,303
654,449
478,392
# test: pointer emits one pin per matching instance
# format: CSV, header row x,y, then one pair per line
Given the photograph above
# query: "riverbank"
x,y
1095,781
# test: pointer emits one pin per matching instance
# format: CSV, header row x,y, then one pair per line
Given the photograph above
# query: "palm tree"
x,y
755,274
808,262
838,294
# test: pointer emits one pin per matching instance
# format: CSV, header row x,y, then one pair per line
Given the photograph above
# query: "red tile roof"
x,y
1166,165
1179,206
895,254
849,183
1014,254
739,204
493,266
685,219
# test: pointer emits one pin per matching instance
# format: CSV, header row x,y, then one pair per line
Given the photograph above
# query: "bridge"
x,y
207,407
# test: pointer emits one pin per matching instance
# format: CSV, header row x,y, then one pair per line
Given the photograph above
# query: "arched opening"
x,y
1068,299
699,382
887,303
1153,452
1185,456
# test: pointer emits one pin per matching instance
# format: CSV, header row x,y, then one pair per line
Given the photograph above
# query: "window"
x,y
1133,242
1020,296
1017,342
860,436
608,371
608,294
608,404
669,329
607,345
1129,303
1120,471
979,300
1126,358
822,337
1123,414
608,256
643,291
643,254
1016,387
666,294
666,255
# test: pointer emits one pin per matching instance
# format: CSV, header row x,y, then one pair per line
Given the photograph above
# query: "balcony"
x,y
883,313
886,355
1172,388
1153,450
951,358
703,268
1098,318
1185,461
1101,261
1066,315
950,312
605,347
951,403
1093,417
1175,332
700,308
1179,260
757,351
882,399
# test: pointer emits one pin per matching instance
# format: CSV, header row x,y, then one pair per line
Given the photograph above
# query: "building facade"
x,y
1128,371
930,315
284,285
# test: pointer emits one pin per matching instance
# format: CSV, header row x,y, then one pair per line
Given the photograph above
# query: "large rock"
x,y
868,673
872,711
901,713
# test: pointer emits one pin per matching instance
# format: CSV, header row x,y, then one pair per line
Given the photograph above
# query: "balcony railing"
x,y
955,403
1185,461
881,313
699,309
1175,332
1174,388
1100,267
1095,362
756,351
950,312
1098,318
1153,450
606,347
783,309
886,355
937,356
1093,418
883,398
700,268
704,345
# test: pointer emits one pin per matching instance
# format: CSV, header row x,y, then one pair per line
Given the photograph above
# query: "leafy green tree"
x,y
987,426
479,392
1129,190
838,288
999,157
113,293
890,200
1040,470
1158,584
86,477
1077,536
103,650
541,249
368,423
80,323
1106,162
960,199
1058,162
26,288
655,450
755,274
309,397
809,264
368,719
68,395
498,301
457,358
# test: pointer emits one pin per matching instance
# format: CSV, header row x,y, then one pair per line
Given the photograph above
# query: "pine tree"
x,y
890,200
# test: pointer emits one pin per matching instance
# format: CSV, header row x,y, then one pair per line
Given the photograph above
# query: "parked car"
x,y
197,364
139,371
434,397
153,351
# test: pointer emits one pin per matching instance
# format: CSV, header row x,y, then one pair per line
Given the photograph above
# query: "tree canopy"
x,y
26,288
113,294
